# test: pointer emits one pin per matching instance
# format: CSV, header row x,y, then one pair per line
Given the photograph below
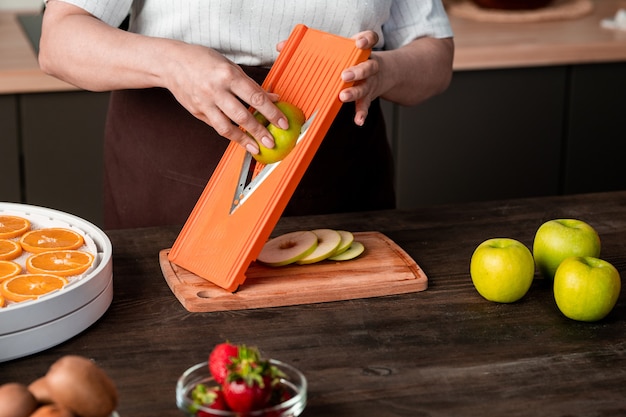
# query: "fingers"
x,y
233,120
225,127
362,110
364,78
280,45
366,39
361,71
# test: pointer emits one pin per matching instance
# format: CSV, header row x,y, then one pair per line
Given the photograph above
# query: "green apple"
x,y
288,248
355,249
328,240
502,269
586,288
346,241
558,239
284,140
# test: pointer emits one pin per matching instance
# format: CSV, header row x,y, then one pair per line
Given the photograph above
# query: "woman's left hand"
x,y
391,74
365,77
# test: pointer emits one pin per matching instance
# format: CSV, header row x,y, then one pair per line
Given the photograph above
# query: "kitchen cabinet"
x,y
62,136
521,132
51,151
9,151
596,145
492,134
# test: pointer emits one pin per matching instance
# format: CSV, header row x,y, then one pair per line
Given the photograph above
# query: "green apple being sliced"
x,y
355,249
284,140
328,240
346,240
288,248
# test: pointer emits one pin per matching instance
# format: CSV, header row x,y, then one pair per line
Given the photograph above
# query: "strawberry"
x,y
219,360
243,397
250,381
212,397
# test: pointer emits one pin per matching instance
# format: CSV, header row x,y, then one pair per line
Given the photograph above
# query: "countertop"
x,y
19,69
478,46
444,351
487,45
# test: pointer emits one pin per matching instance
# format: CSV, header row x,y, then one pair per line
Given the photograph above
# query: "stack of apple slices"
x,y
310,246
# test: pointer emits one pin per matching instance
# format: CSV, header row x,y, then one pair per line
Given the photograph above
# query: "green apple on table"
x,y
586,288
284,139
502,269
556,240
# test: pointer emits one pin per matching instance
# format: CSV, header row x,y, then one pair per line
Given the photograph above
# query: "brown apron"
x,y
158,159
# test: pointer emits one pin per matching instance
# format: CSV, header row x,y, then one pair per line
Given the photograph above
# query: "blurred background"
x,y
28,5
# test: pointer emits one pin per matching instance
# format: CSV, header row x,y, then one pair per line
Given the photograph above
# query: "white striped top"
x,y
247,31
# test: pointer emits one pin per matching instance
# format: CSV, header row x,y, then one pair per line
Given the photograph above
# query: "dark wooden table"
x,y
442,352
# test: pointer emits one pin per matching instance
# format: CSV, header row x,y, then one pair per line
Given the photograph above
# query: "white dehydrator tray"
x,y
32,326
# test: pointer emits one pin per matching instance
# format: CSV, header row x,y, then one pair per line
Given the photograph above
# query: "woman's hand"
x,y
365,76
212,88
407,76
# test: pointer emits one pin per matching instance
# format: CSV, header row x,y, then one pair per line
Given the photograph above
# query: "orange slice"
x,y
9,269
61,262
13,226
30,286
1,301
54,238
9,249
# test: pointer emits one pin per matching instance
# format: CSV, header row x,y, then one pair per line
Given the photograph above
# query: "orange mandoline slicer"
x,y
242,203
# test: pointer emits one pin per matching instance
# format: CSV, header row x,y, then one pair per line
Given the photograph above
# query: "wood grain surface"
x,y
445,351
383,269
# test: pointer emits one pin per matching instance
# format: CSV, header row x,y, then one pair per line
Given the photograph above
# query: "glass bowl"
x,y
293,380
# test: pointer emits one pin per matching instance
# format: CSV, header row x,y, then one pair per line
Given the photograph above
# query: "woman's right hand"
x,y
212,88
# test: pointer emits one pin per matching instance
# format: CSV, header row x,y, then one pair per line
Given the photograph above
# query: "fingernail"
x,y
347,76
345,96
361,43
283,123
267,142
252,148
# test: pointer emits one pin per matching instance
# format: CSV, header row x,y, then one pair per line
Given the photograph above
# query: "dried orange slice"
x,y
9,249
13,226
9,269
54,238
30,286
61,262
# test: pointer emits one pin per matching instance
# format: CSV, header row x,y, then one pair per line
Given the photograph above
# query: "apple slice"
x,y
288,248
346,240
355,250
328,241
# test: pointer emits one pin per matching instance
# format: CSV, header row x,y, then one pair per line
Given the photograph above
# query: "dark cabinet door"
x,y
596,147
9,150
62,138
493,134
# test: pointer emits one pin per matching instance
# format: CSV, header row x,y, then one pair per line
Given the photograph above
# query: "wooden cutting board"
x,y
383,269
